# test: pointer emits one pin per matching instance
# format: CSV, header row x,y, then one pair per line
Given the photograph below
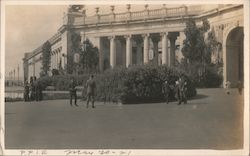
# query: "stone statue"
x,y
75,8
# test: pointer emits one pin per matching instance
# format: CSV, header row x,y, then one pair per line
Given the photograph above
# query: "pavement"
x,y
211,120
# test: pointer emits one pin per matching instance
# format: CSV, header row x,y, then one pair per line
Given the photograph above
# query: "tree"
x,y
194,44
197,49
46,58
212,44
75,48
89,57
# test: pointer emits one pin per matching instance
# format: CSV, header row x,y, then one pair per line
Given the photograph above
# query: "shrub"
x,y
144,83
55,72
136,84
212,77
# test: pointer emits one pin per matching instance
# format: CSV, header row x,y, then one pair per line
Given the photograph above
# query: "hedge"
x,y
136,84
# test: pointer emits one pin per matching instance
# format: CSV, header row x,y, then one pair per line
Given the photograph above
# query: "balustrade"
x,y
157,13
137,15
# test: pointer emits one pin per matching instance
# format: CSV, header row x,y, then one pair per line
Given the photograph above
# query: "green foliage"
x,y
211,45
45,81
55,72
46,50
194,45
212,77
128,85
144,83
89,57
74,48
197,52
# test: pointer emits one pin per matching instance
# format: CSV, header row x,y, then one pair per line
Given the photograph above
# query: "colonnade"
x,y
55,58
167,47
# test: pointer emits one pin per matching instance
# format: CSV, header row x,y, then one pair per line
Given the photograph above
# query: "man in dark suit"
x,y
72,91
166,91
91,86
182,89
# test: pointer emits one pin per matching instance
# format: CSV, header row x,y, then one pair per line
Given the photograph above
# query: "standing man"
x,y
91,87
181,91
72,91
166,91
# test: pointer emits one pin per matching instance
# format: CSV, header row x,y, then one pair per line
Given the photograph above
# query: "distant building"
x,y
146,36
13,82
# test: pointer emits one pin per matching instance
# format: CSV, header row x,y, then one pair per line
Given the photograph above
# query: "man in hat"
x,y
91,87
72,91
166,91
182,89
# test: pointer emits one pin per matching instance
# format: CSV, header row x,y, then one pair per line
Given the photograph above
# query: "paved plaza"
x,y
211,120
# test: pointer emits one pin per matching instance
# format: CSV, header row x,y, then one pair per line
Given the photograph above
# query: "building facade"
x,y
140,37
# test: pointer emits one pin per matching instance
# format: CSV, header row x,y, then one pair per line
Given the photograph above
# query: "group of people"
x,y
32,90
179,89
90,88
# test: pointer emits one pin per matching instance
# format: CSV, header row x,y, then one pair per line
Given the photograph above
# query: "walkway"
x,y
212,120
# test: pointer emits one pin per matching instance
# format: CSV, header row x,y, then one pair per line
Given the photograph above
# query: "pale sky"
x,y
29,26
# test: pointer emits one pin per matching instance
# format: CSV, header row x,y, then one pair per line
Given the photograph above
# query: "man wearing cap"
x,y
91,87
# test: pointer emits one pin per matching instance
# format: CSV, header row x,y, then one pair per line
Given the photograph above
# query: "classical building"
x,y
140,37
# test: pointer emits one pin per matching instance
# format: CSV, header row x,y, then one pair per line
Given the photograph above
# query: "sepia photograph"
x,y
116,79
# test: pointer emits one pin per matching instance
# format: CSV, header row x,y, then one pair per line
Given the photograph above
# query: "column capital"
x,y
163,33
172,38
145,35
173,35
155,38
111,37
122,39
128,36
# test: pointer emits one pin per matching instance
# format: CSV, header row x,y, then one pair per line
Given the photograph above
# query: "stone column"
x,y
101,53
128,50
146,48
57,59
164,41
51,59
54,60
172,39
34,66
66,37
112,52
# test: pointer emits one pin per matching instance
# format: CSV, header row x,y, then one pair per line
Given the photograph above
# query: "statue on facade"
x,y
75,8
